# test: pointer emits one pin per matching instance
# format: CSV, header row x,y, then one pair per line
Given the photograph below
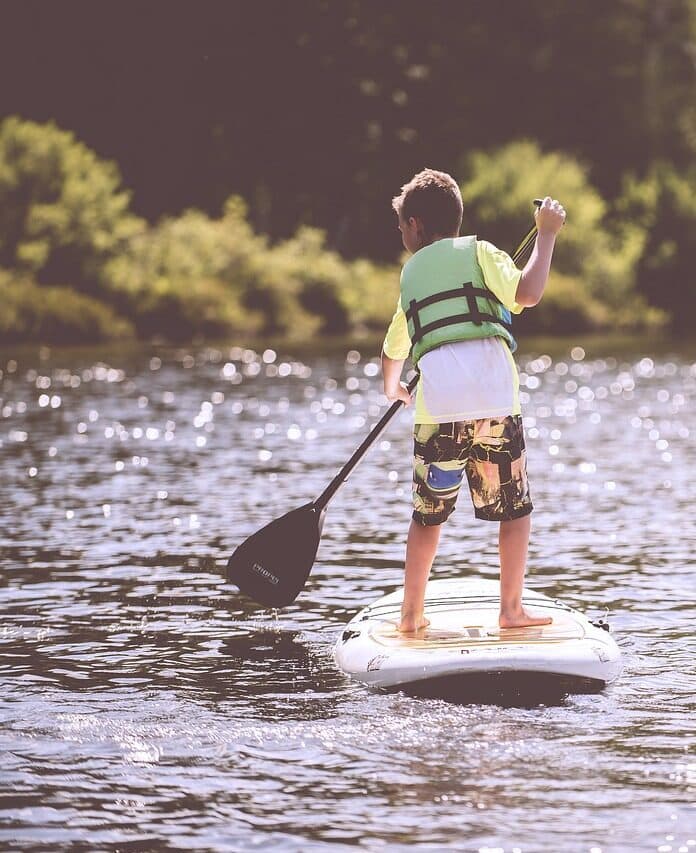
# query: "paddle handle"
x,y
340,478
528,238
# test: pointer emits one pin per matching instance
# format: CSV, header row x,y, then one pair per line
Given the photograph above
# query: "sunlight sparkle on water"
x,y
124,556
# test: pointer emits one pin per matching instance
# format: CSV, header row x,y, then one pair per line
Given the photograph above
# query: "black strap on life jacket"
x,y
473,315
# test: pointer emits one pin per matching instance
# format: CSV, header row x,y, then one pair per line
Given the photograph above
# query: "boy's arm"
x,y
549,218
391,373
398,343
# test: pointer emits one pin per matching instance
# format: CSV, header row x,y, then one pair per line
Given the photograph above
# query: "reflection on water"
x,y
147,706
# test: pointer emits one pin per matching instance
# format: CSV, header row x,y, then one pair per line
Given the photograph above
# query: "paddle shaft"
x,y
374,434
340,478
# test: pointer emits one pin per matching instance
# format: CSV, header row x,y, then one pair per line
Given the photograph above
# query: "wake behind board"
x,y
463,642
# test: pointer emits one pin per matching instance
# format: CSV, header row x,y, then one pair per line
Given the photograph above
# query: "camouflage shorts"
x,y
490,451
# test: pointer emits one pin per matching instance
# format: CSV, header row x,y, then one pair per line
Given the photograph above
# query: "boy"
x,y
453,316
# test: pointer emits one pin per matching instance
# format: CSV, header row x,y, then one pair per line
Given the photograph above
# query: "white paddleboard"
x,y
464,639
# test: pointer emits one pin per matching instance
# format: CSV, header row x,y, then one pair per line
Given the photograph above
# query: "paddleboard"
x,y
464,639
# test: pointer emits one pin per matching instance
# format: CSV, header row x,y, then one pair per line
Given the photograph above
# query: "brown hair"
x,y
434,198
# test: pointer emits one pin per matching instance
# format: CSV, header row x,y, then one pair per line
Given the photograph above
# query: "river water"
x,y
146,706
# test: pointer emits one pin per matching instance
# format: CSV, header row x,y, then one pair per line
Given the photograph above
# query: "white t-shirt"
x,y
466,380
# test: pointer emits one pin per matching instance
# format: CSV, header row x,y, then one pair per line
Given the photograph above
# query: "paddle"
x,y
272,566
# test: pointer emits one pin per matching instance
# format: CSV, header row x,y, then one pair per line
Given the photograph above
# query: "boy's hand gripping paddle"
x,y
272,565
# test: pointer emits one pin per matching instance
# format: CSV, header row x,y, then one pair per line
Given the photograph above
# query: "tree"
x,y
661,207
63,213
595,258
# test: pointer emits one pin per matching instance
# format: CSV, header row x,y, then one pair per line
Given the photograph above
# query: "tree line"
x,y
77,263
316,111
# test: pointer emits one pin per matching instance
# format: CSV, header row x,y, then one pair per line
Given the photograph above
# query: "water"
x,y
146,707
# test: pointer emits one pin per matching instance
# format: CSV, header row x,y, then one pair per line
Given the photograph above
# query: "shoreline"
x,y
369,346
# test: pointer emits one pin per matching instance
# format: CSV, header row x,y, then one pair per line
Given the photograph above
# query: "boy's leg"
x,y
437,478
497,473
421,547
513,542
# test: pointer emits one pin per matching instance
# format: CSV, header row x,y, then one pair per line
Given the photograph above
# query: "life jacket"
x,y
445,298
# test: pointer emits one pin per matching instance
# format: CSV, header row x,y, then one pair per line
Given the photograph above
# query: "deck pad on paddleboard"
x,y
446,629
464,637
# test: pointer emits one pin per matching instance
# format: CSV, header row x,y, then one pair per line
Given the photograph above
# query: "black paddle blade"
x,y
273,565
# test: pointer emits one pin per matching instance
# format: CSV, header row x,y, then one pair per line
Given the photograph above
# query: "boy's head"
x,y
429,208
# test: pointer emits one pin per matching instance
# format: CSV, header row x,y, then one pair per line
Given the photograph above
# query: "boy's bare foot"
x,y
521,619
411,626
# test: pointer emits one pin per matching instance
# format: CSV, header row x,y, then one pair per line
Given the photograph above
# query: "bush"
x,y
194,275
594,264
63,212
372,294
171,277
65,226
339,295
54,315
283,286
660,211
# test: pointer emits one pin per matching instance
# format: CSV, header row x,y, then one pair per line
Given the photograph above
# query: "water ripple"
x,y
148,706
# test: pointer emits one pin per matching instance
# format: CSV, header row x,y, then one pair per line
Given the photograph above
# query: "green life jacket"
x,y
445,298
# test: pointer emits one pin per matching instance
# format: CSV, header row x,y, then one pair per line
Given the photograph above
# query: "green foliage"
x,y
194,275
56,315
368,92
661,210
65,220
186,277
339,295
280,287
372,295
594,260
63,213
